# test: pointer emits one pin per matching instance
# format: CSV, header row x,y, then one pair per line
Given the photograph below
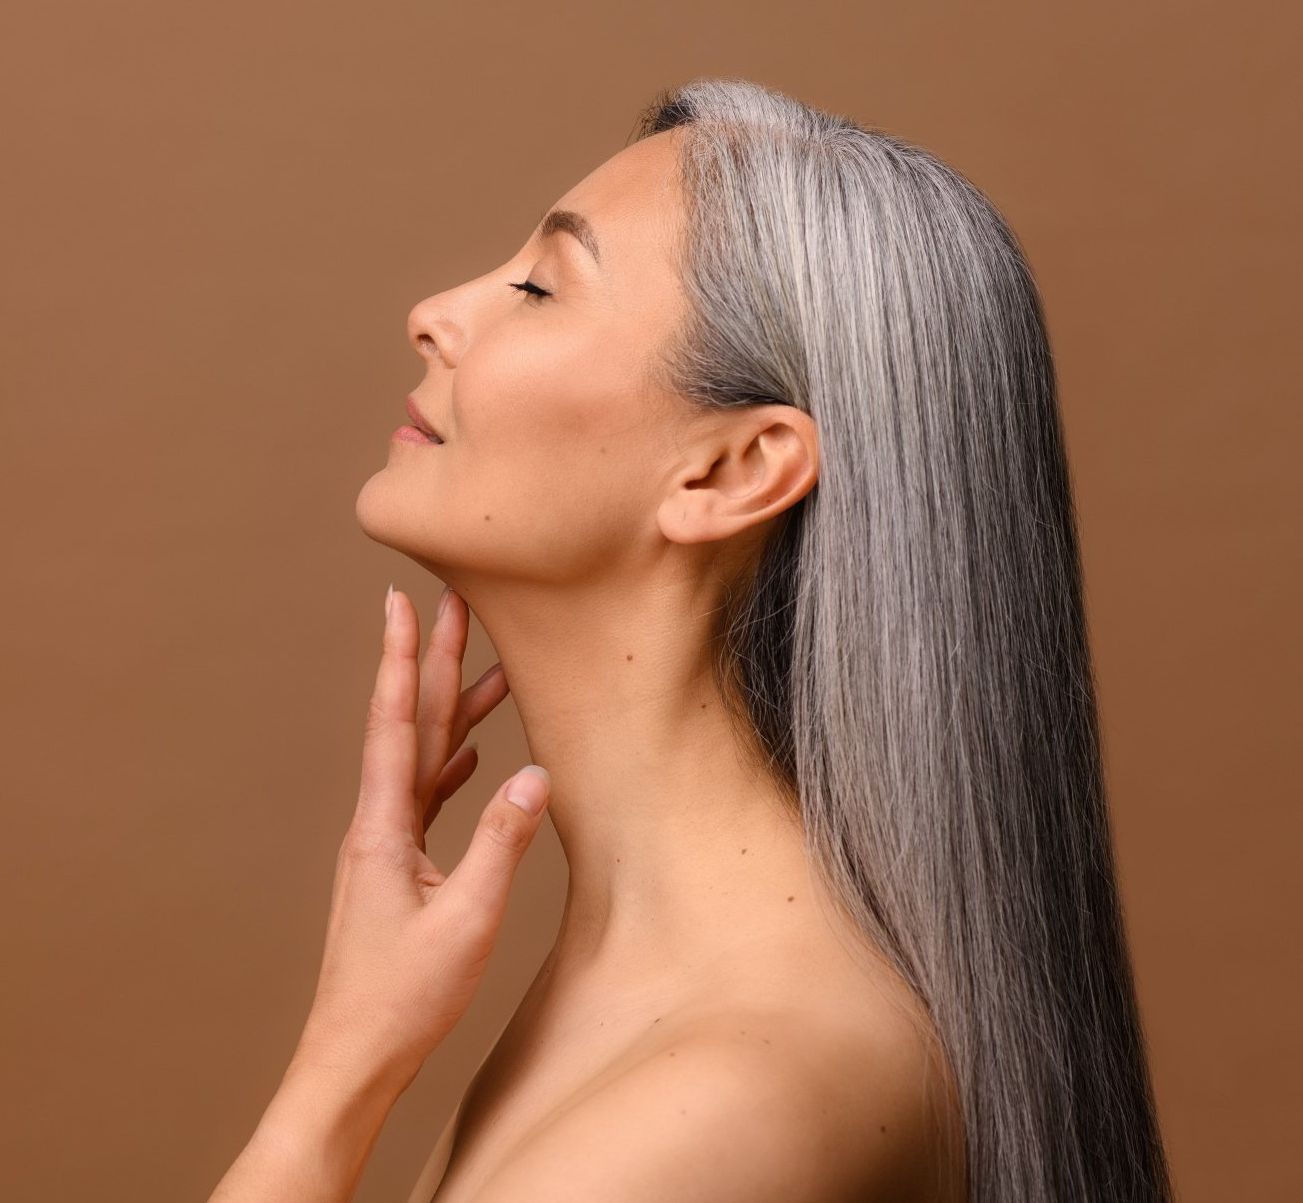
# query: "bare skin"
x,y
589,519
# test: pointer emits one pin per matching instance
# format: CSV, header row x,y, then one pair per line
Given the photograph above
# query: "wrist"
x,y
327,1122
313,1140
354,1076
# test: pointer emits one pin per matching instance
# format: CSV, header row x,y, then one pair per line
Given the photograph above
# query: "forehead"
x,y
632,200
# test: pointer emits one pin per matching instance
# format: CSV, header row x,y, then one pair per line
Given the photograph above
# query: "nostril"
x,y
433,337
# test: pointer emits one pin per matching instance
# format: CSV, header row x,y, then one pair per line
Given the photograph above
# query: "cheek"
x,y
534,389
554,443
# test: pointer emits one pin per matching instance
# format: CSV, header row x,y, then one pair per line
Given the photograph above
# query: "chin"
x,y
378,511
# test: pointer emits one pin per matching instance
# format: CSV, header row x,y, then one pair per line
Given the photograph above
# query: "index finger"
x,y
386,803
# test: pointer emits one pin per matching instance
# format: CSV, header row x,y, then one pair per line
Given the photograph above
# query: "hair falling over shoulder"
x,y
910,653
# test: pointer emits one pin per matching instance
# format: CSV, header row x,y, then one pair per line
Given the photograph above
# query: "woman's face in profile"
x,y
556,446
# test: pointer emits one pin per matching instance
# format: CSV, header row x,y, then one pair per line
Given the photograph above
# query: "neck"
x,y
674,841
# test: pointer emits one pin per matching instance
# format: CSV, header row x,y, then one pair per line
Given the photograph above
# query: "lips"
x,y
419,421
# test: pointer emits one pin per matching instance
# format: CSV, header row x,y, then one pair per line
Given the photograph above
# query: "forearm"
x,y
312,1142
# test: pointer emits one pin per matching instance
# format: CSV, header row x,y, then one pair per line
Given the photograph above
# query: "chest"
x,y
523,1083
563,1044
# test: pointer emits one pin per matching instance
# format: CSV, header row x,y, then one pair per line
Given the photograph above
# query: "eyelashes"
x,y
530,289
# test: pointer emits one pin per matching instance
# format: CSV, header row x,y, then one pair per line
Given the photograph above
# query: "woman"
x,y
750,463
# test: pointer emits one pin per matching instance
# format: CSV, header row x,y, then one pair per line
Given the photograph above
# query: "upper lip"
x,y
419,421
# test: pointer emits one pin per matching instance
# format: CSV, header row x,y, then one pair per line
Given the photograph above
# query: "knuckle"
x,y
350,851
363,846
463,910
503,824
447,725
376,718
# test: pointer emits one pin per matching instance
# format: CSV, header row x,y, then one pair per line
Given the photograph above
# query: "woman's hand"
x,y
406,944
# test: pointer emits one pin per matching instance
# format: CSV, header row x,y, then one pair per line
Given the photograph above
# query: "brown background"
x,y
216,221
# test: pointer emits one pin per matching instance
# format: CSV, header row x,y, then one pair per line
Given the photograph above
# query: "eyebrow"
x,y
567,221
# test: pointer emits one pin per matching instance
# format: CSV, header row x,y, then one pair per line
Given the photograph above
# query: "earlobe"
x,y
758,463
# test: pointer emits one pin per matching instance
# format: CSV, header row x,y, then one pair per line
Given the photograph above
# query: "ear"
x,y
751,465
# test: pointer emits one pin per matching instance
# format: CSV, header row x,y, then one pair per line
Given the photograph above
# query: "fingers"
x,y
477,700
386,800
492,680
482,880
444,717
455,774
440,685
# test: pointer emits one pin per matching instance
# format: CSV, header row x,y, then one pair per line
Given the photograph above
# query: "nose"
x,y
432,331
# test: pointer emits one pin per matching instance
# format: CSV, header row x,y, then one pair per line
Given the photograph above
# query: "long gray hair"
x,y
909,654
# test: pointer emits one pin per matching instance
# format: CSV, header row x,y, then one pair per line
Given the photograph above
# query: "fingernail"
x,y
529,788
389,601
488,672
443,601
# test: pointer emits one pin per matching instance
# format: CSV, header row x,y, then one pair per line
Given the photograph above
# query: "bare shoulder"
x,y
759,1106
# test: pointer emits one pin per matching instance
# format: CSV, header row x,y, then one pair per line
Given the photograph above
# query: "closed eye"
x,y
530,288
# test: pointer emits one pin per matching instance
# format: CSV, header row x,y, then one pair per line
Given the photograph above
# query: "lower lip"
x,y
410,434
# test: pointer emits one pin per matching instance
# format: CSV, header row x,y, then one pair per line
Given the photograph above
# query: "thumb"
x,y
483,877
